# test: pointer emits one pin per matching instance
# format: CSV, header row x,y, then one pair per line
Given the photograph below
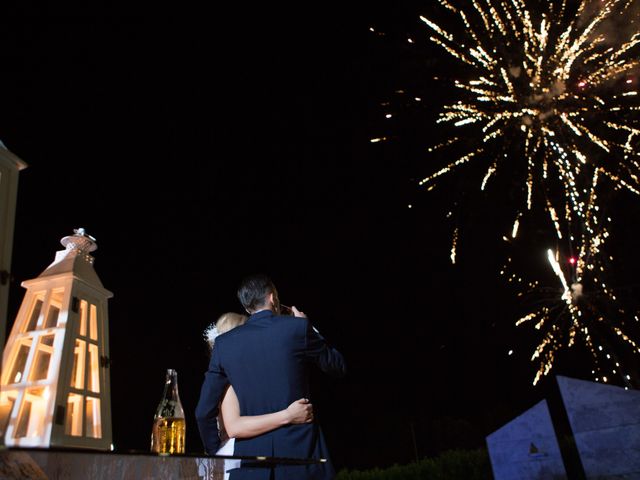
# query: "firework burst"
x,y
547,89
546,97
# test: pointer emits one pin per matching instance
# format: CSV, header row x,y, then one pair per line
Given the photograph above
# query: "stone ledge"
x,y
59,464
70,465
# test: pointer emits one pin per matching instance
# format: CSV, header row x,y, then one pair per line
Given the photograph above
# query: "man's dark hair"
x,y
253,291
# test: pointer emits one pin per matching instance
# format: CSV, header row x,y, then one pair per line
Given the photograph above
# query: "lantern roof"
x,y
75,259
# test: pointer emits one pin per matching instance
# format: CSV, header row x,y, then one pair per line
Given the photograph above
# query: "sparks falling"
x,y
549,98
581,306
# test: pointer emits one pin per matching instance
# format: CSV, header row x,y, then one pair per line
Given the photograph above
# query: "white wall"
x,y
10,165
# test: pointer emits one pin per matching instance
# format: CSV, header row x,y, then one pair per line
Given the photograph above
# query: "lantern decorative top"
x,y
80,241
76,258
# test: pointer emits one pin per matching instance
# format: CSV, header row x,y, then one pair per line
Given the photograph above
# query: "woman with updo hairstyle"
x,y
226,322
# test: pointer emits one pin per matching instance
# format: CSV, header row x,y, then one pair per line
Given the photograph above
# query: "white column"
x,y
10,165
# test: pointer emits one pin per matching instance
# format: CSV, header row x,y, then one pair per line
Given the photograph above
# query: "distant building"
x,y
55,385
10,166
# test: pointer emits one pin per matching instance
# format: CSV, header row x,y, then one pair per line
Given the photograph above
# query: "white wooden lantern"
x,y
55,388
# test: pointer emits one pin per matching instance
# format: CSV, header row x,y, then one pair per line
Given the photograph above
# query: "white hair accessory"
x,y
210,334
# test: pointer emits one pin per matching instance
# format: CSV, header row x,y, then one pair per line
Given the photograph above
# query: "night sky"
x,y
201,145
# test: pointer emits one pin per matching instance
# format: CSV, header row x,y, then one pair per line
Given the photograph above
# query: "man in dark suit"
x,y
267,360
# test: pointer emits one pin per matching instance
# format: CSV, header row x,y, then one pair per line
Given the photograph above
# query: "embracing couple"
x,y
257,388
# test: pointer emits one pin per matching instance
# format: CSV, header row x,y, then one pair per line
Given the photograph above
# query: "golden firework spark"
x,y
546,90
546,94
582,306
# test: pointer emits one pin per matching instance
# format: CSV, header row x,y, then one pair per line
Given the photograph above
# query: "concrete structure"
x,y
10,166
526,448
605,421
602,441
55,378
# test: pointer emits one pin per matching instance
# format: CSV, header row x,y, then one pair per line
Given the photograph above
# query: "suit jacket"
x,y
267,360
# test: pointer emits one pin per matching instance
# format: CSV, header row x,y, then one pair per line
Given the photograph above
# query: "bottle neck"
x,y
170,405
171,384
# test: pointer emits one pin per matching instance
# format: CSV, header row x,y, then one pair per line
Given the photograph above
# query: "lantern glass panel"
x,y
55,305
82,325
31,421
93,323
73,420
40,369
7,400
16,369
92,420
77,371
23,421
52,316
34,314
94,369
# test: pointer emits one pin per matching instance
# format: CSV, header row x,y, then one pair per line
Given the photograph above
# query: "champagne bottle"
x,y
169,428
